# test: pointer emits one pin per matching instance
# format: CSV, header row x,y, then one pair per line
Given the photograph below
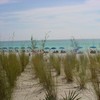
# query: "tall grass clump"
x,y
4,85
55,63
24,60
82,71
98,61
33,43
43,42
45,77
3,60
95,75
49,85
11,69
37,63
69,63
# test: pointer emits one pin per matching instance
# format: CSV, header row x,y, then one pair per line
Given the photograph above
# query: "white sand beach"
x,y
28,87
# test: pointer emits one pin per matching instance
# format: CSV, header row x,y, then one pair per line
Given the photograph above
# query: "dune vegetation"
x,y
80,69
10,68
43,73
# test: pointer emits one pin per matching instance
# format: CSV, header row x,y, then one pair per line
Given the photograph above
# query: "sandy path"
x,y
27,87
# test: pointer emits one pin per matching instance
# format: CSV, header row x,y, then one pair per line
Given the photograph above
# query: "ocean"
x,y
67,44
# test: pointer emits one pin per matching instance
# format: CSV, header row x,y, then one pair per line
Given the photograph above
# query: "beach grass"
x,y
4,85
36,61
81,70
10,68
13,68
69,63
24,60
82,76
45,78
55,62
95,75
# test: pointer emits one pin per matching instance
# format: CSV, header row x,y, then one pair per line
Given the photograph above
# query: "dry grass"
x,y
82,76
95,75
24,60
4,85
69,63
44,74
10,68
55,62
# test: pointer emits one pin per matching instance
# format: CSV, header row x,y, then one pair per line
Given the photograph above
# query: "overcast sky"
x,y
61,19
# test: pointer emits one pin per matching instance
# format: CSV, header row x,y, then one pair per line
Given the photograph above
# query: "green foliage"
x,y
44,41
24,60
82,76
93,66
69,63
95,75
50,96
44,74
55,63
74,43
72,95
33,43
4,85
10,69
37,63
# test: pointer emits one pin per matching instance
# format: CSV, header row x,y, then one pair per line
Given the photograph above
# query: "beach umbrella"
x,y
80,47
75,50
46,48
93,47
22,47
10,48
29,48
0,49
4,48
16,48
61,48
36,47
53,48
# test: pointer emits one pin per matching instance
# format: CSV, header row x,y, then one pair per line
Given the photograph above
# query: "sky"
x,y
60,19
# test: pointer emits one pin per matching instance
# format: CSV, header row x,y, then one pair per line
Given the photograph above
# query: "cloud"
x,y
63,22
83,14
8,1
4,1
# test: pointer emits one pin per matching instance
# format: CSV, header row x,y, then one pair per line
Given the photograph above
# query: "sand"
x,y
28,87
